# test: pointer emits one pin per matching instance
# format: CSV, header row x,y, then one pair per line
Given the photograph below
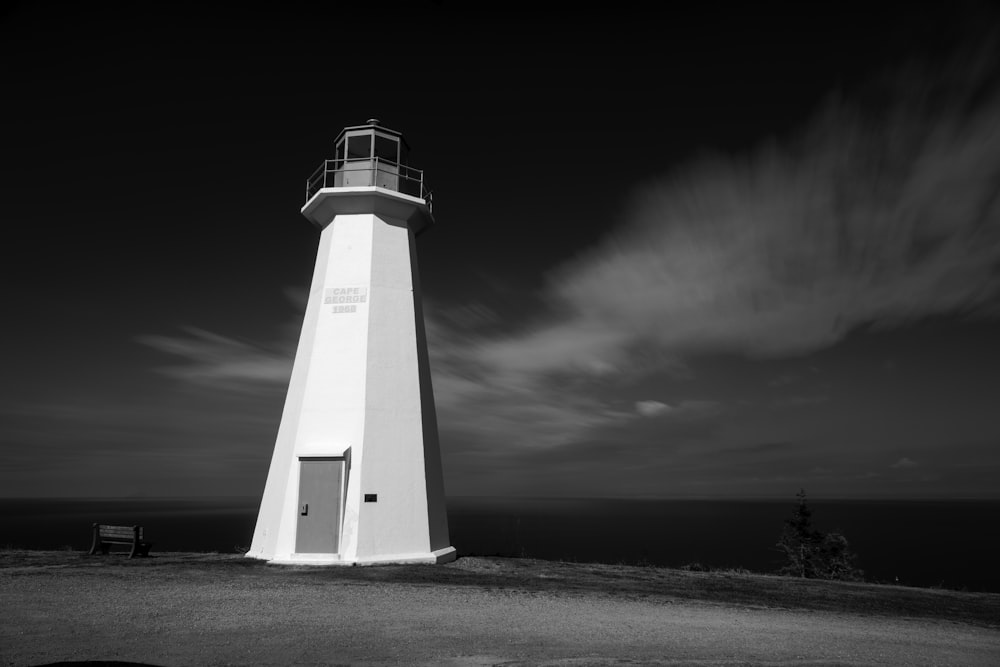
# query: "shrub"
x,y
694,567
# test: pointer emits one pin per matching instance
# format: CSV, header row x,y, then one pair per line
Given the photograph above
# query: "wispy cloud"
x,y
860,219
651,408
208,359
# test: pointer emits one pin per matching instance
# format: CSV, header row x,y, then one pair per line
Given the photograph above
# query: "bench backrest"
x,y
118,532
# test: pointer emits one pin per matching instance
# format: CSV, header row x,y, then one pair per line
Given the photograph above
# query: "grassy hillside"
x,y
736,588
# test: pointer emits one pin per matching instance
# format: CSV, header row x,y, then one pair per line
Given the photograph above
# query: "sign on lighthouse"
x,y
356,472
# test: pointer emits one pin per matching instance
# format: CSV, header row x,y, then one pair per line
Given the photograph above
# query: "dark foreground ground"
x,y
216,609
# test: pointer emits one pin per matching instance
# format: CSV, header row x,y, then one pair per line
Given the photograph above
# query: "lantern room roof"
x,y
372,124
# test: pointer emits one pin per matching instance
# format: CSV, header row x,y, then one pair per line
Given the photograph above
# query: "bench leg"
x,y
96,542
140,549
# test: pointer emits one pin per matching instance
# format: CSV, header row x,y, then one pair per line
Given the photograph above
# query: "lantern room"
x,y
369,155
371,149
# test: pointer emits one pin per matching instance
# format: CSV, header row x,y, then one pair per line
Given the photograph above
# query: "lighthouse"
x,y
355,476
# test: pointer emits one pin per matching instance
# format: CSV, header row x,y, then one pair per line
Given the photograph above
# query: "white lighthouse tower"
x,y
356,472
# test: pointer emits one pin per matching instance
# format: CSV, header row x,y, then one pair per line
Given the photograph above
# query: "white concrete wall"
x,y
433,471
357,384
397,523
324,408
270,515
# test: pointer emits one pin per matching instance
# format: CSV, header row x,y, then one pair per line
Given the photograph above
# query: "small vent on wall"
x,y
371,497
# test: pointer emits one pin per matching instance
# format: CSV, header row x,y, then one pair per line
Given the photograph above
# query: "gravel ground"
x,y
193,615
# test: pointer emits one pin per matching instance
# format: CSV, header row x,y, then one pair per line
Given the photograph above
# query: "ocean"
x,y
949,544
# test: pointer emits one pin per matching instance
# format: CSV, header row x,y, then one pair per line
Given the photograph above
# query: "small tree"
x,y
812,554
798,541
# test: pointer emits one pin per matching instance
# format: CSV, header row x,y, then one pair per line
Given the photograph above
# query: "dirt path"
x,y
194,616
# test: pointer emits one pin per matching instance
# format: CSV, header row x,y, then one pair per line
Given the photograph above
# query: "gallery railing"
x,y
367,172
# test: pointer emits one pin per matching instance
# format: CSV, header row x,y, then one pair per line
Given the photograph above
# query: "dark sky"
x,y
725,251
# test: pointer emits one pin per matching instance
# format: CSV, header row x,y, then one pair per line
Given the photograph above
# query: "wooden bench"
x,y
105,536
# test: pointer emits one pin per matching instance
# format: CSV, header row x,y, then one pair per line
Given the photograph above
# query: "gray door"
x,y
320,493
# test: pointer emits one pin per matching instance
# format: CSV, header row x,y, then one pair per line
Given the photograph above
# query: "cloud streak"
x,y
856,221
224,363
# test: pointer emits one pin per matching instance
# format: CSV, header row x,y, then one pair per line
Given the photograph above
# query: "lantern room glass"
x,y
368,157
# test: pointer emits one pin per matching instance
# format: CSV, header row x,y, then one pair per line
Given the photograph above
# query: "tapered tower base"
x,y
355,477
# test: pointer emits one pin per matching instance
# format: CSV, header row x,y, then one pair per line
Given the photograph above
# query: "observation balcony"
x,y
367,172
